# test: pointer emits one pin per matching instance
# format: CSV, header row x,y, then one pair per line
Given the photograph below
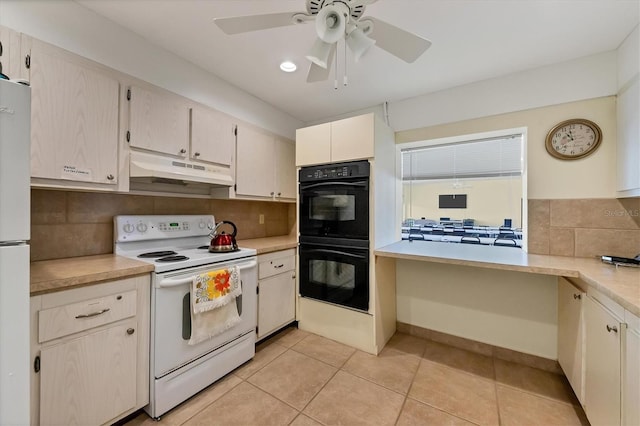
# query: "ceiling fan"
x,y
335,20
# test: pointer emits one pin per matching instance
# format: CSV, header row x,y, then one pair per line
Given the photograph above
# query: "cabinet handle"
x,y
196,154
1,49
279,194
577,296
130,331
279,266
183,151
272,194
93,314
612,328
110,177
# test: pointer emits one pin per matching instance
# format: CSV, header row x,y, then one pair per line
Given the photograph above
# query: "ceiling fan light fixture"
x,y
359,43
331,22
319,53
288,66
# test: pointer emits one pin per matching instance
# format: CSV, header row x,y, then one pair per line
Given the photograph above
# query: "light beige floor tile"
x,y
303,420
521,408
391,368
415,413
245,405
407,344
200,401
539,382
471,362
264,355
350,400
289,337
325,350
459,393
293,378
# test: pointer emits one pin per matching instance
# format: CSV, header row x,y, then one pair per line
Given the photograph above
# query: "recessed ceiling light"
x,y
288,66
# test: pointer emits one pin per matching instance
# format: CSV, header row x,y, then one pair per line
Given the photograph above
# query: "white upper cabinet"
x,y
158,121
264,165
343,140
212,136
74,117
628,116
10,57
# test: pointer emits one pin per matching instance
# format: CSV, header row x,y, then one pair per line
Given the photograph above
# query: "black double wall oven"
x,y
334,233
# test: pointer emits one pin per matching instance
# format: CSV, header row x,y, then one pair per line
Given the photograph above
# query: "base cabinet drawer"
x,y
91,379
276,265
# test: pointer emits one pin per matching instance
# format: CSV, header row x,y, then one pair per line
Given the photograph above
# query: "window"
x,y
467,186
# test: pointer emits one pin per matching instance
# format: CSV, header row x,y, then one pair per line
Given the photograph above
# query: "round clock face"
x,y
573,139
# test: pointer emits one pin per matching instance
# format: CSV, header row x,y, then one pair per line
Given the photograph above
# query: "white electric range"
x,y
177,246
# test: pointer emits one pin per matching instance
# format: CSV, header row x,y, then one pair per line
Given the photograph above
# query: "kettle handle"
x,y
235,230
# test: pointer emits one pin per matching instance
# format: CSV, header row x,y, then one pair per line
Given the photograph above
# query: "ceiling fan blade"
x,y
244,24
317,73
400,43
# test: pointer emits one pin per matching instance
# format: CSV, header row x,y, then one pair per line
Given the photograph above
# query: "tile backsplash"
x,y
69,224
585,227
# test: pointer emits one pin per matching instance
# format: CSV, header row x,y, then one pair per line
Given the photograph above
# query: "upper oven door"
x,y
171,319
337,208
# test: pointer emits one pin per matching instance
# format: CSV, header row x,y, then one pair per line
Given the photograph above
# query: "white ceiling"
x,y
473,40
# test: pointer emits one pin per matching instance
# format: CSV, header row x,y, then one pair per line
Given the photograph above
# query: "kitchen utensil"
x,y
221,242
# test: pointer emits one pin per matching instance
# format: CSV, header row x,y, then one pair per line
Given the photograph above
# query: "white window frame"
x,y
468,138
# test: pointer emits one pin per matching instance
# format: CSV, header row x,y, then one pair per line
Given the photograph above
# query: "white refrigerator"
x,y
15,122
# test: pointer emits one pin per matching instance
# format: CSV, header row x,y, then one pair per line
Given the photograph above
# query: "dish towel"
x,y
213,307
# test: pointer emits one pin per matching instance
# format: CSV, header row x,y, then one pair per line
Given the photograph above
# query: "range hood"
x,y
146,167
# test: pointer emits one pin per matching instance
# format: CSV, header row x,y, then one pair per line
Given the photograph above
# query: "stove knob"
x,y
142,227
128,228
202,225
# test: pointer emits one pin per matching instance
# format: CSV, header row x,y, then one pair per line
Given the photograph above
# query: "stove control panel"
x,y
153,227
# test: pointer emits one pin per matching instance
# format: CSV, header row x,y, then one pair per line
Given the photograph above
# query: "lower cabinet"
x,y
571,334
90,348
276,291
631,375
603,364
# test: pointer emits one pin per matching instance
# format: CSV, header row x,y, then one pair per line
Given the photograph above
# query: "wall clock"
x,y
573,139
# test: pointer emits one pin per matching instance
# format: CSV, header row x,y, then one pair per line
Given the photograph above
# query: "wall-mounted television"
x,y
455,201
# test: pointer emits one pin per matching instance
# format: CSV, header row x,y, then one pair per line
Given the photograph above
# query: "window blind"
x,y
475,159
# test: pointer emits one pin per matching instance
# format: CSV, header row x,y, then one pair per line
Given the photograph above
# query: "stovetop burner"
x,y
203,248
172,258
152,254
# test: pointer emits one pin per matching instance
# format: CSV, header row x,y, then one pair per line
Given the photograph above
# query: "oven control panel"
x,y
152,227
353,169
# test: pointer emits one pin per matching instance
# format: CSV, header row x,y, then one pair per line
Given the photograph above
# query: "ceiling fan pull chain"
x,y
345,65
335,81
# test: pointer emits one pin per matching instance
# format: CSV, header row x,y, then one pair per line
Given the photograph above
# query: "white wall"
x,y
584,78
508,309
73,27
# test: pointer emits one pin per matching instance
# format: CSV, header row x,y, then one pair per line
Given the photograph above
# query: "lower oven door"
x,y
338,275
171,320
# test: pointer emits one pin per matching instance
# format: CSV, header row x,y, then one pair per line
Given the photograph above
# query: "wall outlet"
x,y
261,219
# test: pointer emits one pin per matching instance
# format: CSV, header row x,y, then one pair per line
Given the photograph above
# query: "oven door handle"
x,y
172,282
362,184
341,253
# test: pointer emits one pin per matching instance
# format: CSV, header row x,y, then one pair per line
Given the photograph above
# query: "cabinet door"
x,y
631,377
158,121
212,136
255,163
313,145
286,180
10,57
89,380
571,335
602,376
276,302
74,118
628,152
352,138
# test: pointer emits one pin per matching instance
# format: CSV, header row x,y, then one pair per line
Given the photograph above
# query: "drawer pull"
x,y
279,266
610,328
130,331
93,314
577,296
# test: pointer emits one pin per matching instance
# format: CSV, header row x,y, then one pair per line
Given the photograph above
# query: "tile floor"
x,y
298,378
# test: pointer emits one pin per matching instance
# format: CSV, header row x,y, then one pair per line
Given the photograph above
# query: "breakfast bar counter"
x,y
621,284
